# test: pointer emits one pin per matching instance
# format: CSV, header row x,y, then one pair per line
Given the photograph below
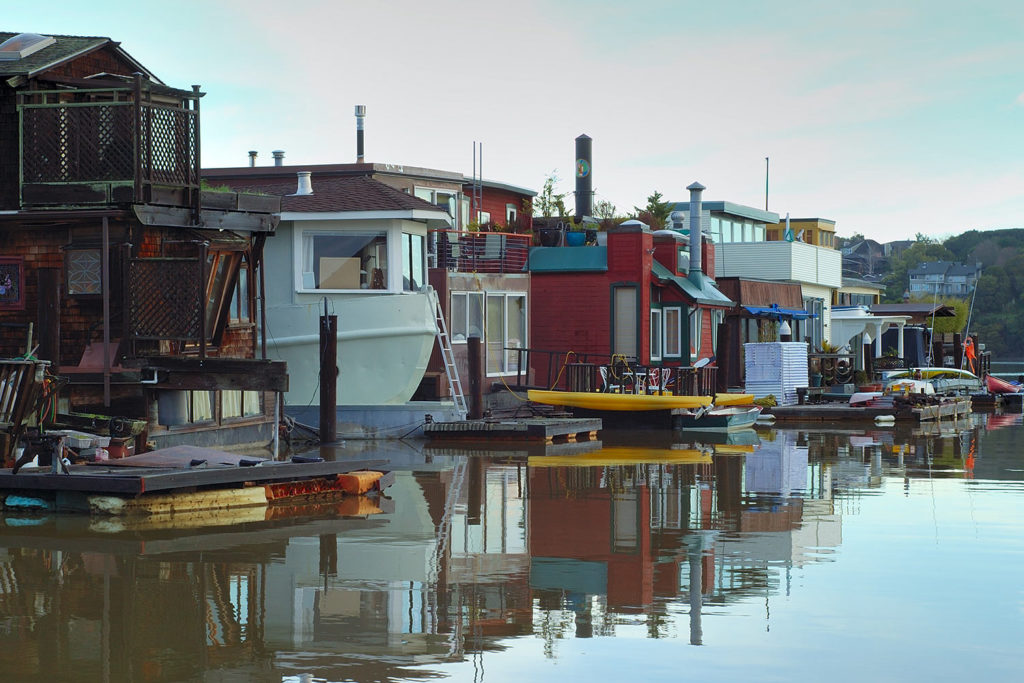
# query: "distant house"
x,y
137,286
864,258
816,268
943,278
857,292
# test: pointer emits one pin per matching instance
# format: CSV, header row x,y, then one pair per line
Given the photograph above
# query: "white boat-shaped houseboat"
x,y
357,248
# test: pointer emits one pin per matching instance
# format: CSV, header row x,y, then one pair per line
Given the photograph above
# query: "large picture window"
x,y
345,260
498,318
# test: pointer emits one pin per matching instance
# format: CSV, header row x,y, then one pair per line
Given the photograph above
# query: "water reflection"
x,y
474,549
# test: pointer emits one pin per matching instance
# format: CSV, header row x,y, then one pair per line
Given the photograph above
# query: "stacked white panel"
x,y
776,368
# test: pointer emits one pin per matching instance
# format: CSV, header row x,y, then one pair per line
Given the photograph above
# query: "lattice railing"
x,y
92,136
166,299
67,144
169,155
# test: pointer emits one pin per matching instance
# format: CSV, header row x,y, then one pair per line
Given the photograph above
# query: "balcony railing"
x,y
479,252
96,146
570,371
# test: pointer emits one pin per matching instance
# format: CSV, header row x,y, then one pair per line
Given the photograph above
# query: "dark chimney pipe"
x,y
252,157
360,115
584,180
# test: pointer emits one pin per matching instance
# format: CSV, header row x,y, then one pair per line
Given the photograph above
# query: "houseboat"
x,y
136,285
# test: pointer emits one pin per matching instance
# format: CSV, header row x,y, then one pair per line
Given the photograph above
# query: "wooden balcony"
x,y
95,147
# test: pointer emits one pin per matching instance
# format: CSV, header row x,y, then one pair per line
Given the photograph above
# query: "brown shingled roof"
x,y
332,194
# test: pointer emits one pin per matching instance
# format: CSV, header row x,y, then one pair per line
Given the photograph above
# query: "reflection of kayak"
x,y
624,455
632,402
996,385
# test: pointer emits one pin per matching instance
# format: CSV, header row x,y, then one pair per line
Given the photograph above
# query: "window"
x,y
84,271
716,319
495,334
673,331
344,260
505,325
200,406
240,301
695,316
624,321
412,262
515,336
236,404
221,267
467,315
510,214
446,199
656,332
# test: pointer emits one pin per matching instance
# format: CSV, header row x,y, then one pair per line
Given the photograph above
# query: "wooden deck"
x,y
181,478
829,412
539,429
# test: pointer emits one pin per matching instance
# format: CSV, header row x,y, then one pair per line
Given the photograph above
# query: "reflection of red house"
x,y
638,297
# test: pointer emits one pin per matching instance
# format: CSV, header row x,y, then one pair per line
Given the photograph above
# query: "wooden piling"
x,y
328,377
476,381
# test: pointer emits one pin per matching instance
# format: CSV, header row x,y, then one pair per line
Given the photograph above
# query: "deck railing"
x,y
92,146
479,252
570,371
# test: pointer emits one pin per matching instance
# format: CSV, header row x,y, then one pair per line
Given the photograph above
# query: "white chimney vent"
x,y
305,185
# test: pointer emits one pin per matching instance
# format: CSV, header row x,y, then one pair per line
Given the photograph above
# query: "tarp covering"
x,y
777,311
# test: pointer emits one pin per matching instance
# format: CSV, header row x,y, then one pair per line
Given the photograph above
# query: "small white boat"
x,y
943,381
720,419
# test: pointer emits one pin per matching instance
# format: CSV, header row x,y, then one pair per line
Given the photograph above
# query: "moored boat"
x,y
944,381
720,419
997,385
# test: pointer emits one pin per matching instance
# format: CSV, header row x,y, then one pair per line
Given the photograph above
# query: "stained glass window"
x,y
84,271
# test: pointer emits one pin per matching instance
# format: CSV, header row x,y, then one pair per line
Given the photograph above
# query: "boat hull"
x,y
995,385
719,419
384,344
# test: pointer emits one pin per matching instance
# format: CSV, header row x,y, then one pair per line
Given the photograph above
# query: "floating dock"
x,y
185,478
836,412
535,429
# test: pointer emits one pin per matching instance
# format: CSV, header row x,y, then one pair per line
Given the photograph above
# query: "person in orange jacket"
x,y
969,354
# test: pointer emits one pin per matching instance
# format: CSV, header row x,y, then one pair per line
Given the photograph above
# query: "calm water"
x,y
883,555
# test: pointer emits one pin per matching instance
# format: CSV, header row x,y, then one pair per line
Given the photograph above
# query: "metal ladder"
x,y
452,372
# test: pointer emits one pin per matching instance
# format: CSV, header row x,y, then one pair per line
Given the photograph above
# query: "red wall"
x,y
571,311
494,200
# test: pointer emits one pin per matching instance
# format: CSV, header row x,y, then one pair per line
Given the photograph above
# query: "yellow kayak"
x,y
734,399
623,456
594,401
597,401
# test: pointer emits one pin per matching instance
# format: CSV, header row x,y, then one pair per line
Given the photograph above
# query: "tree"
x,y
604,209
656,213
550,203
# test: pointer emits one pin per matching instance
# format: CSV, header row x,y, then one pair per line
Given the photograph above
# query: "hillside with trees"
x,y
997,313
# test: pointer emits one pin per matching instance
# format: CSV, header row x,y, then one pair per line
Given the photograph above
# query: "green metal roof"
x,y
705,293
568,259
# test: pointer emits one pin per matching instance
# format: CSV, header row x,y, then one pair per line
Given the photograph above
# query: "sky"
x,y
891,118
